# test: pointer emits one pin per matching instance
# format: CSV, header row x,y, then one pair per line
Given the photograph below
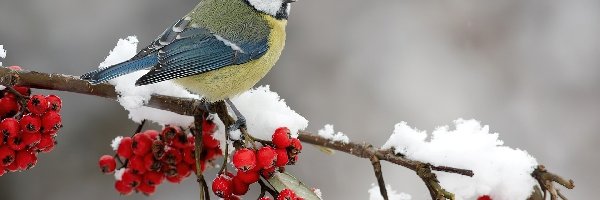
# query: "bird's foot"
x,y
239,123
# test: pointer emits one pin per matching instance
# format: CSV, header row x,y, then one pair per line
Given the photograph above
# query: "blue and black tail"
x,y
102,75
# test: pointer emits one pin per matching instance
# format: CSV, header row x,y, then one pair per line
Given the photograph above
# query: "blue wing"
x,y
182,51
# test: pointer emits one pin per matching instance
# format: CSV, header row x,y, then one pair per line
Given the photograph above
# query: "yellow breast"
x,y
232,80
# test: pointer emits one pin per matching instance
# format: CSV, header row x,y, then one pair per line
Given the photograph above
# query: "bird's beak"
x,y
289,1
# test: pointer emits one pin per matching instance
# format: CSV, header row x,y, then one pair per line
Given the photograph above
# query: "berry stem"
x,y
264,186
226,156
22,102
379,176
198,119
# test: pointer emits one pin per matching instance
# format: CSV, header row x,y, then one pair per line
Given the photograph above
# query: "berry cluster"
x,y
149,157
29,125
251,164
484,197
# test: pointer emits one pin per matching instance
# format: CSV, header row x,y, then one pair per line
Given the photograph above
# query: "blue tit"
x,y
218,50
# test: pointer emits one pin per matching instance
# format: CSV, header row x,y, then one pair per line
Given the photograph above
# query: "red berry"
x,y
286,194
131,179
141,144
222,186
296,146
51,122
136,164
7,156
25,159
16,143
12,167
123,188
153,178
54,102
2,170
169,132
265,198
244,159
30,123
208,127
484,197
248,177
183,169
37,104
239,186
282,157
282,138
8,106
107,164
152,133
189,156
175,179
46,144
169,170
209,141
32,139
124,150
146,189
266,157
10,127
158,149
180,141
268,173
172,156
151,164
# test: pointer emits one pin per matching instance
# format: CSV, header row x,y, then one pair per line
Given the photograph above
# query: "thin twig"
x,y
197,152
271,191
379,175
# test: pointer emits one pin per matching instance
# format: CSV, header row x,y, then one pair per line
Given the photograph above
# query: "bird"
x,y
218,50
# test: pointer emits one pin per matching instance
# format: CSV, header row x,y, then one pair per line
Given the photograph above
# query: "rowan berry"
x,y
7,155
286,194
123,188
37,104
282,157
107,164
244,159
222,186
51,122
54,102
124,150
266,157
239,186
141,144
248,177
10,127
282,138
30,123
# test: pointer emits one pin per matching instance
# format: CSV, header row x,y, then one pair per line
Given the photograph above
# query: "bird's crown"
x,y
277,8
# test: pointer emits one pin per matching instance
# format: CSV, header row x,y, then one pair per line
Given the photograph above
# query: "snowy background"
x,y
529,69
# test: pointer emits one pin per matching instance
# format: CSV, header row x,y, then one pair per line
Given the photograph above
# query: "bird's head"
x,y
279,9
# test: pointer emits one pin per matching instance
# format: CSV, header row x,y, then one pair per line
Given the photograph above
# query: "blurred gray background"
x,y
528,68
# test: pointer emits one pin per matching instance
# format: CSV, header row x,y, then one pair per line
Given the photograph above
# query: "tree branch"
x,y
182,106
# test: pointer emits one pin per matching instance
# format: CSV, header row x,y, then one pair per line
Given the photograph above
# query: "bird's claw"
x,y
240,123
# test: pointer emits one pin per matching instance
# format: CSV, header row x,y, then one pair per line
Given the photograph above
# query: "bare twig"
x,y
197,130
546,181
264,186
379,175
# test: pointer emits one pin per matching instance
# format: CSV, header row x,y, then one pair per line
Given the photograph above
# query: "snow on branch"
x,y
466,161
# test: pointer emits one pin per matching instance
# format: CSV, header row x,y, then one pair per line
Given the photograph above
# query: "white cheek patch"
x,y
268,6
